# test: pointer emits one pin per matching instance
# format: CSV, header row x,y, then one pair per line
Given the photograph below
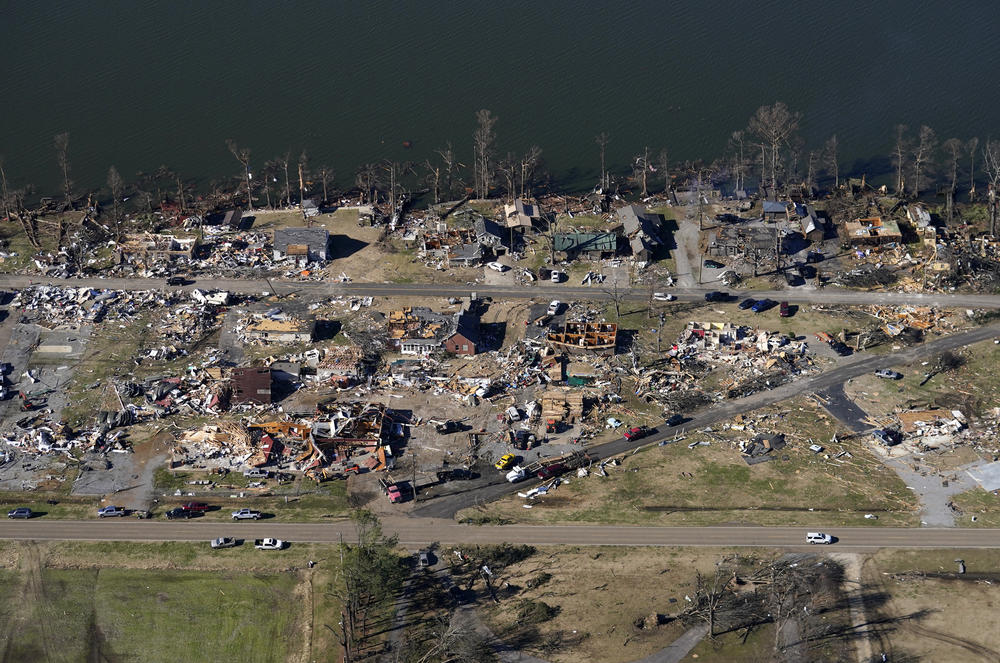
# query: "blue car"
x,y
761,305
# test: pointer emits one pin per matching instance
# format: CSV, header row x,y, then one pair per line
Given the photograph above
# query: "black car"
x,y
675,420
814,256
179,513
176,280
747,303
807,271
20,512
716,296
714,264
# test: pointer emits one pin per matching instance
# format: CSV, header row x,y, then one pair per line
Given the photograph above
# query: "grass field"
x,y
675,485
932,613
81,601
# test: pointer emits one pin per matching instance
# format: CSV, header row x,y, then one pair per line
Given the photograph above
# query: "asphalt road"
x,y
447,506
322,289
417,533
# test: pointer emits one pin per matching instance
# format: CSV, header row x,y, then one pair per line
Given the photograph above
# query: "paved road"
x,y
447,506
319,290
415,533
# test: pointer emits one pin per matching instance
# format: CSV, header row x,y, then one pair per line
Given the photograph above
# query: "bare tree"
x,y
4,192
811,161
507,168
663,163
830,160
243,156
602,141
899,157
991,163
271,170
366,179
62,156
117,186
529,163
447,155
774,125
326,175
434,178
953,150
922,155
972,146
736,142
303,173
283,162
640,170
484,139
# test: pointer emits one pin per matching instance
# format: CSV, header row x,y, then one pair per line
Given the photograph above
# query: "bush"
x,y
535,612
539,580
502,555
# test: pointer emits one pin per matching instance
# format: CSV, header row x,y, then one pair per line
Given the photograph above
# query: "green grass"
x,y
160,615
984,505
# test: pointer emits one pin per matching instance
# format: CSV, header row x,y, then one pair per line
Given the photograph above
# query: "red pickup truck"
x,y
195,506
636,432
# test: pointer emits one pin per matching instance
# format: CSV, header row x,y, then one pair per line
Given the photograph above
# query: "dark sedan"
x,y
20,512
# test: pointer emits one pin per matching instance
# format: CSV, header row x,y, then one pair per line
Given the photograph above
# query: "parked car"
x,y
556,276
20,512
888,374
747,303
256,473
223,542
714,264
246,514
176,280
355,468
268,544
109,511
195,506
762,305
636,433
522,440
396,493
497,267
423,559
785,310
807,271
818,537
505,461
675,420
513,414
179,513
554,307
716,296
793,279
664,297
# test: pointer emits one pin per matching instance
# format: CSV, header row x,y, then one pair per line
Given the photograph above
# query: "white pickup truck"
x,y
516,474
246,514
268,544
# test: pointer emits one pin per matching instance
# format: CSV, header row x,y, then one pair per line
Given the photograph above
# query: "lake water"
x,y
143,84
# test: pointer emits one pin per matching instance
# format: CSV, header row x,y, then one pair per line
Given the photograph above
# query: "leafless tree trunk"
x,y
62,156
663,163
736,141
529,162
283,162
774,125
116,185
811,169
991,162
434,179
831,161
922,155
899,157
303,172
484,139
366,179
602,141
243,156
953,149
448,159
4,192
508,171
640,170
972,145
326,175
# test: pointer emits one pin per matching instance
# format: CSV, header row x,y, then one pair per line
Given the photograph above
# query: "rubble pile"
x,y
52,306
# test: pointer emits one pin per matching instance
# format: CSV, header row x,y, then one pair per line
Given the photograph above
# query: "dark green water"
x,y
138,86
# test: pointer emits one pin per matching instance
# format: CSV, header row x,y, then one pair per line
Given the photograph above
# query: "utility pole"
x,y
302,197
414,481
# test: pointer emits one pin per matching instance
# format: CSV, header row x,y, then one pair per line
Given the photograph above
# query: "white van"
x,y
513,414
556,276
818,537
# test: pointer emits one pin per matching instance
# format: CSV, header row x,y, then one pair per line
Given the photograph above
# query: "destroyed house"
x,y
458,246
594,246
520,215
148,247
252,385
489,233
342,364
346,427
598,337
302,244
873,230
420,331
233,218
642,229
269,330
309,207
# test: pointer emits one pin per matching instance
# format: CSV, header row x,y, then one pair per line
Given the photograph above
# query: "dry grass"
x,y
943,616
675,485
600,593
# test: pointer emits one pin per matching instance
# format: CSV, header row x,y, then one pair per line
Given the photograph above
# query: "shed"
x,y
775,211
252,385
316,241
